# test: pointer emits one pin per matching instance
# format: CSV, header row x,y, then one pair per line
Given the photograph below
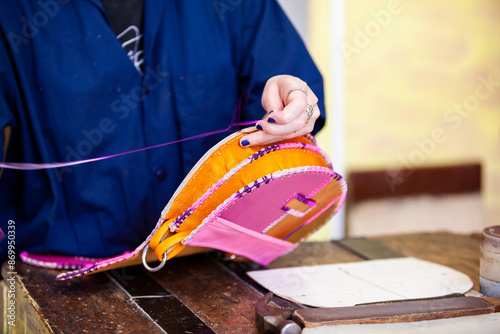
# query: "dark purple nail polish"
x,y
259,127
270,112
245,143
271,120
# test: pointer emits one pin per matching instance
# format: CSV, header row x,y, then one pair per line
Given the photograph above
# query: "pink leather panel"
x,y
271,198
229,237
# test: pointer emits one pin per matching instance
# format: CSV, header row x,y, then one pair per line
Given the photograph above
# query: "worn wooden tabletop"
x,y
197,294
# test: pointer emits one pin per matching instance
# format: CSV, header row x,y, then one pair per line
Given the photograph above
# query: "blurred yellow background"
x,y
422,85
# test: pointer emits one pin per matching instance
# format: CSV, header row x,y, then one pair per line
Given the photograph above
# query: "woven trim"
x,y
75,262
343,186
110,261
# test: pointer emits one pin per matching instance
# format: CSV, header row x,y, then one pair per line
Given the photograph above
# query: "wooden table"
x,y
197,294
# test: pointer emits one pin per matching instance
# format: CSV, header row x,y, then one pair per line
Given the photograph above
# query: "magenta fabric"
x,y
57,261
229,237
272,197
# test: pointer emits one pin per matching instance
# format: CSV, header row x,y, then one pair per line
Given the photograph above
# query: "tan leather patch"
x,y
298,206
329,193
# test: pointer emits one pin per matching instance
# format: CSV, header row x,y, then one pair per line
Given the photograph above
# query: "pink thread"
x,y
38,166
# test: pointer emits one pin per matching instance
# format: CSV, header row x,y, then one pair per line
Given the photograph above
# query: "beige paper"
x,y
348,284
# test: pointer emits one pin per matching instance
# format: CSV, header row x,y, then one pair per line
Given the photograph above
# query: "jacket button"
x,y
161,174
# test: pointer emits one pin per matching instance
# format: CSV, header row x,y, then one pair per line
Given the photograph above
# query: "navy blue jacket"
x,y
69,92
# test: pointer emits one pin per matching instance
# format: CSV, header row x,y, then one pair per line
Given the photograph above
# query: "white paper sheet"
x,y
348,284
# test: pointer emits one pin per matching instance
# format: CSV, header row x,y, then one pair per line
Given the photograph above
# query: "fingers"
x,y
262,138
288,126
268,134
292,119
291,108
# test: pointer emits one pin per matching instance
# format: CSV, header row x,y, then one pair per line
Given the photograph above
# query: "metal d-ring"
x,y
145,263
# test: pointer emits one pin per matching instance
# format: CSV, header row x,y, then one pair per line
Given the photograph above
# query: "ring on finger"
x,y
309,112
298,88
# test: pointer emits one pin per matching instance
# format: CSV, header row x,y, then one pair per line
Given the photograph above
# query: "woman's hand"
x,y
291,108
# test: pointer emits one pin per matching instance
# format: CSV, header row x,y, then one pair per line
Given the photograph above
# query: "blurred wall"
x,y
422,85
